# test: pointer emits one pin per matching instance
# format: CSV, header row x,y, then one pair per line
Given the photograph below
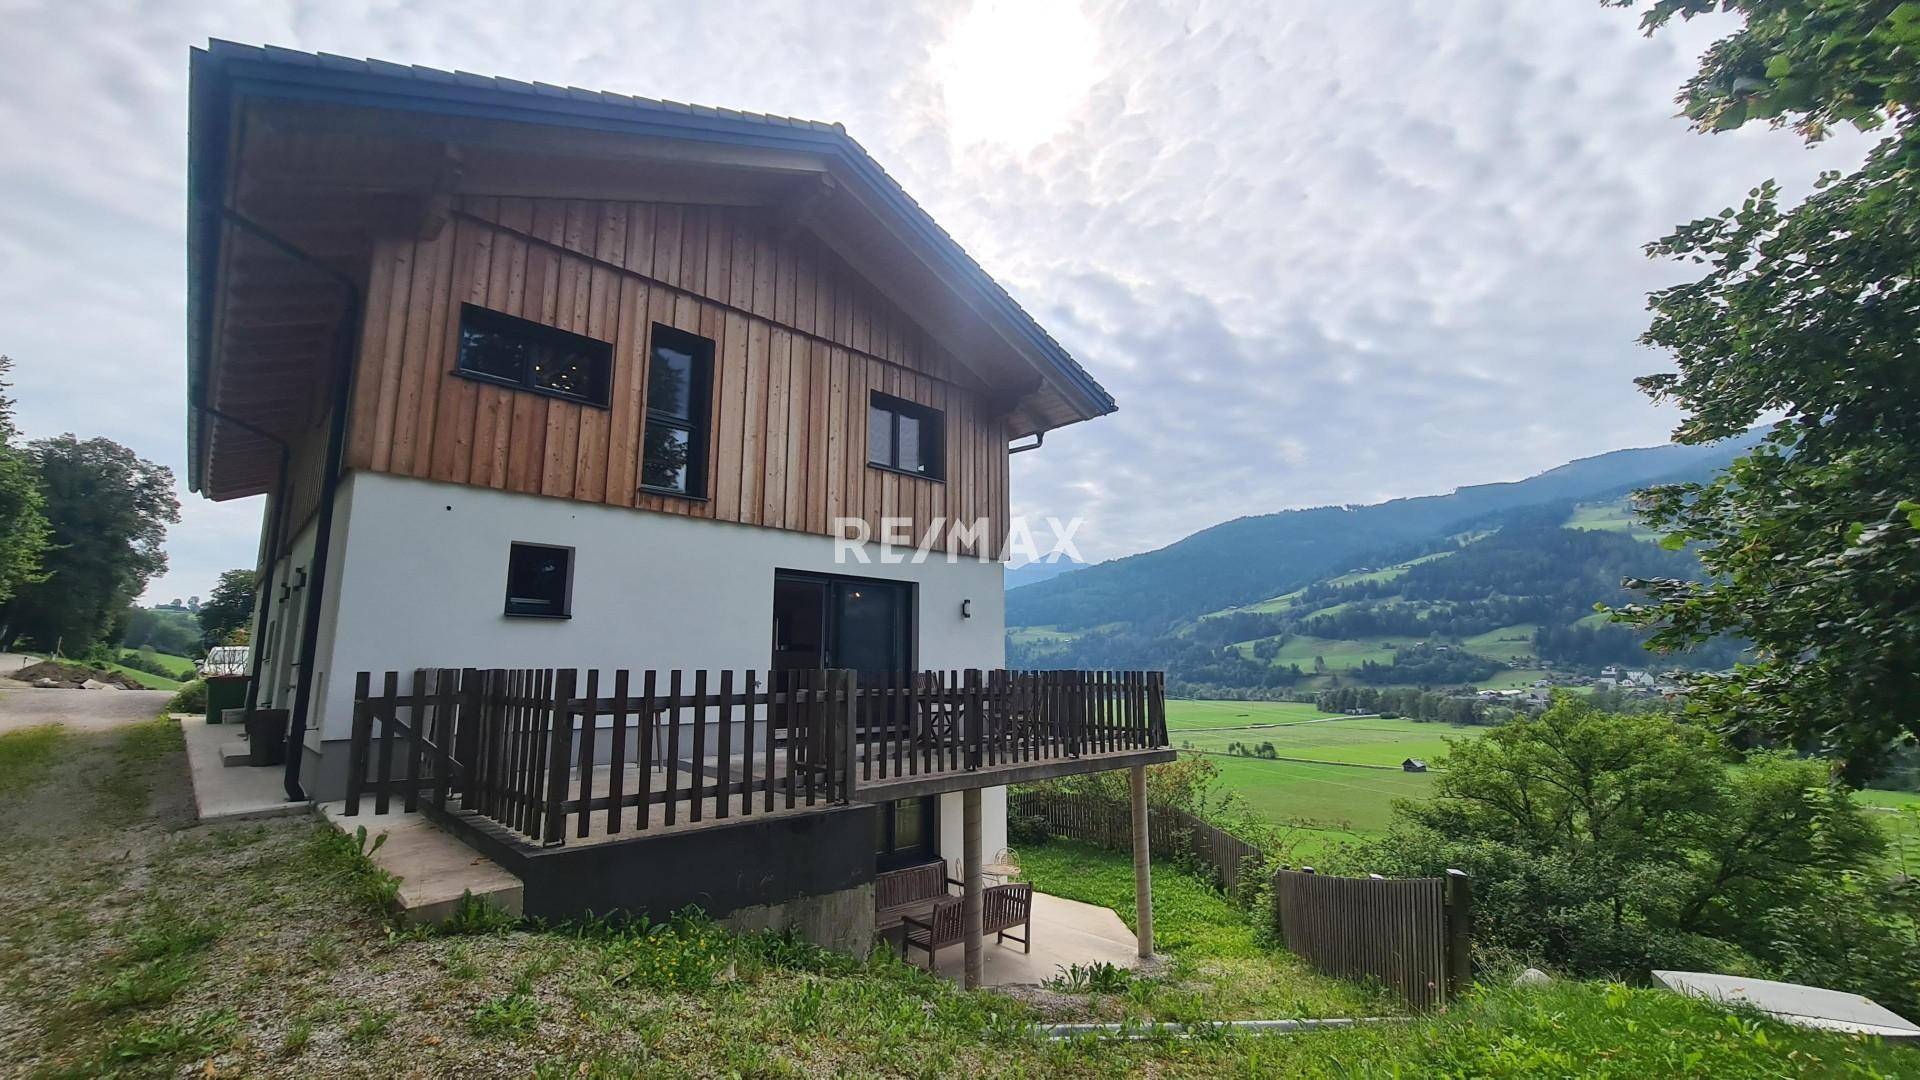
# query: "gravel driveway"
x,y
85,710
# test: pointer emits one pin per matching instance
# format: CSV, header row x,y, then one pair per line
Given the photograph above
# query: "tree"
x,y
230,607
1810,313
1604,843
109,512
23,523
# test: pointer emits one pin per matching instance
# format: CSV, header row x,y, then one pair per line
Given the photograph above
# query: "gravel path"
x,y
81,710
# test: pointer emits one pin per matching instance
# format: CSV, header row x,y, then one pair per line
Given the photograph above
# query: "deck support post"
x,y
1142,863
970,909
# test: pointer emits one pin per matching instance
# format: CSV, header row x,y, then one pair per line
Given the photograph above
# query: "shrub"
x,y
191,698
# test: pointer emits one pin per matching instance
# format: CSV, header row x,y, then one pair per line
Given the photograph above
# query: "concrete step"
x,y
434,867
235,753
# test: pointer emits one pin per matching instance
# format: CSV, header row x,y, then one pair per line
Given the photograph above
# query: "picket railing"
x,y
535,749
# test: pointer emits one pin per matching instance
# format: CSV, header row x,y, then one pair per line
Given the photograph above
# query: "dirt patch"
x,y
58,674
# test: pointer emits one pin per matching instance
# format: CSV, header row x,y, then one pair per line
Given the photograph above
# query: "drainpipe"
x,y
345,349
1039,440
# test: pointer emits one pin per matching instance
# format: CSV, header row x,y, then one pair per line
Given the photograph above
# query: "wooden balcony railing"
x,y
535,749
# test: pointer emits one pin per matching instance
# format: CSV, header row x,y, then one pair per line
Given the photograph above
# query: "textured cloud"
x,y
1320,251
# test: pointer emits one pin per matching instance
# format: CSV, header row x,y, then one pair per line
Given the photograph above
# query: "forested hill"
x,y
1250,559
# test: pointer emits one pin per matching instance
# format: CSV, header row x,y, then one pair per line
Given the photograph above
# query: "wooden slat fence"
x,y
1411,934
548,752
1109,823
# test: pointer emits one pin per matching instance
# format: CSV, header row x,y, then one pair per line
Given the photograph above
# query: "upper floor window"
x,y
501,348
679,377
906,436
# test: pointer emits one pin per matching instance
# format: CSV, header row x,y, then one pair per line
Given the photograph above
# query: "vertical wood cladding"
x,y
799,342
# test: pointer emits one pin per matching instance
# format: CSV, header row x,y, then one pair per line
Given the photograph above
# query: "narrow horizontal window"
x,y
673,456
501,348
539,580
906,436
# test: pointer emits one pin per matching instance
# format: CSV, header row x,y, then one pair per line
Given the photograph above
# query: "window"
x,y
674,452
499,348
539,580
905,436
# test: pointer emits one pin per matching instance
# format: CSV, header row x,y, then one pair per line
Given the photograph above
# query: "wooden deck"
x,y
560,756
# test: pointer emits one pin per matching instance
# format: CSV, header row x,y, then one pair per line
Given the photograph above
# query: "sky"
x,y
1321,251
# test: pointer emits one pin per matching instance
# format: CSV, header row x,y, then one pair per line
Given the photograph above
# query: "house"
x,y
566,385
1413,765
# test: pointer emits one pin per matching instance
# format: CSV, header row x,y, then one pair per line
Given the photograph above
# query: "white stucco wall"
x,y
420,581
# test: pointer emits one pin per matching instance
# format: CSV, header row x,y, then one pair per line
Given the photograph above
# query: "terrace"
x,y
754,789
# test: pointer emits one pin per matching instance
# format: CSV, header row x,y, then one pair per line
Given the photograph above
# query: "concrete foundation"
x,y
841,921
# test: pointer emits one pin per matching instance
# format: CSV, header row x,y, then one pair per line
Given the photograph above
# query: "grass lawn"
x,y
1614,516
1507,643
1339,798
1894,810
1515,679
1231,969
135,941
1226,714
1351,741
146,679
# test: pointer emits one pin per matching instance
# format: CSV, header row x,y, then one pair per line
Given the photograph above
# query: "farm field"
x,y
1518,679
1182,714
1356,741
1506,643
1340,792
1339,653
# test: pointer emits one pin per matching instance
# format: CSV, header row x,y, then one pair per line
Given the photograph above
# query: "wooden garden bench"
x,y
913,891
1002,908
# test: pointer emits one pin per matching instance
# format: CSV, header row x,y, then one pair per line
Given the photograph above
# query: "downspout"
x,y
1039,440
346,348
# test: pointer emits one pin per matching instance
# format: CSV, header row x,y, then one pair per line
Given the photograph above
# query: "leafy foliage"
x,y
1812,313
23,523
109,510
230,607
1604,843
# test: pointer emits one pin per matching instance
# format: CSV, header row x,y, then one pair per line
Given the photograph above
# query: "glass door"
x,y
906,833
822,621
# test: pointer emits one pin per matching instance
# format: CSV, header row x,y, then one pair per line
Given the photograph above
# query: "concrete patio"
x,y
1065,932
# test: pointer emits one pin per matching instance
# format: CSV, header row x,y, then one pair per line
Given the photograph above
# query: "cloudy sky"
x,y
1321,251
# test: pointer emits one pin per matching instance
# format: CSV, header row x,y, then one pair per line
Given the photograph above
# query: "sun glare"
x,y
1013,73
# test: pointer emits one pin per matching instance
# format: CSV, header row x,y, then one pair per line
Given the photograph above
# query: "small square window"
x,y
500,348
905,436
539,580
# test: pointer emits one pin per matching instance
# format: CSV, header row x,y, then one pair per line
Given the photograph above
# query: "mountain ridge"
x,y
1255,557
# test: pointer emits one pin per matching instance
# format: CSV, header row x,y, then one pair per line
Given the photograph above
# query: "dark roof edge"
x,y
223,68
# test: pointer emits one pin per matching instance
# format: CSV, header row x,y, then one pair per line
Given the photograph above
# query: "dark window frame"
x,y
521,610
933,424
540,334
698,423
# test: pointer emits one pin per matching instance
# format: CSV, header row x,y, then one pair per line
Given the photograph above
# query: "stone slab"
x,y
1802,1006
221,793
434,867
1064,932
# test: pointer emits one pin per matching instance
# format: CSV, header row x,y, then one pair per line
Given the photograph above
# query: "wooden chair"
x,y
1002,908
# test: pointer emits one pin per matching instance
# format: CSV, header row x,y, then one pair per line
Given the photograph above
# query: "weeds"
x,y
201,1036
298,1036
512,1015
348,861
370,1028
476,915
1097,978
